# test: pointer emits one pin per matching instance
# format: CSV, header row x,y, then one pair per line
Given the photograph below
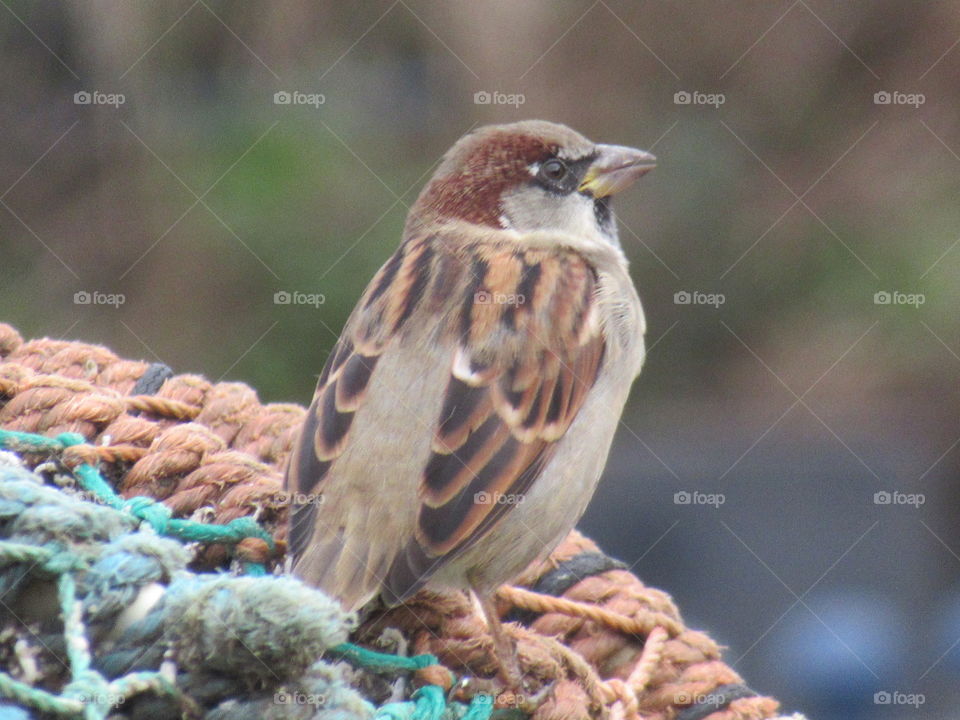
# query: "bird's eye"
x,y
553,170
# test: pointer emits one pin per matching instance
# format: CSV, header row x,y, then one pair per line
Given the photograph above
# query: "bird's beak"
x,y
616,168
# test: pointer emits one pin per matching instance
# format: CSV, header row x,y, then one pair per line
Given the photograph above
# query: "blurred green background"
x,y
816,164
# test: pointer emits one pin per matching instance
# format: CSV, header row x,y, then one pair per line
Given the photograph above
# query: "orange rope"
x,y
539,603
161,407
610,646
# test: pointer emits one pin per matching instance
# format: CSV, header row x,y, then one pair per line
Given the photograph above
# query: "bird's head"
x,y
530,176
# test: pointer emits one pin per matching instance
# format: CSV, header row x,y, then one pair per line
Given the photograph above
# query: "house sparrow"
x,y
463,419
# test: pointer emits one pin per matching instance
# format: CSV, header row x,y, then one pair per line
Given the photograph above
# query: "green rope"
x,y
43,701
53,562
428,703
154,513
431,703
86,685
11,553
378,662
89,693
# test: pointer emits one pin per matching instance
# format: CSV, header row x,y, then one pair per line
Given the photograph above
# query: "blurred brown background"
x,y
809,159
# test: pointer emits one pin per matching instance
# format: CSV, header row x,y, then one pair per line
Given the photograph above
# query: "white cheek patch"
x,y
532,209
576,216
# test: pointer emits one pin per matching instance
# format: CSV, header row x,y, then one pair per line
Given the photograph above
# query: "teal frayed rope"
x,y
91,695
154,513
428,702
88,694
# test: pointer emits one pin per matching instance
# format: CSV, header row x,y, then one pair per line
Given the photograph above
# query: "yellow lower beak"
x,y
616,168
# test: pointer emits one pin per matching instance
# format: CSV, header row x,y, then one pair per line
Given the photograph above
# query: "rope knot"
x,y
246,527
156,514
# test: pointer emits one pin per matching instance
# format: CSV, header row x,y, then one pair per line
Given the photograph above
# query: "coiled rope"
x,y
592,640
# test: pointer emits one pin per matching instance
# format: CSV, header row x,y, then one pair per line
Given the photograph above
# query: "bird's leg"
x,y
504,650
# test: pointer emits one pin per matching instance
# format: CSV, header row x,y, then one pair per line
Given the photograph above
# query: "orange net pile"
x,y
205,449
592,640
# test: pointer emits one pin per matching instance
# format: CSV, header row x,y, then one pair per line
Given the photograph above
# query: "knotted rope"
x,y
255,631
592,640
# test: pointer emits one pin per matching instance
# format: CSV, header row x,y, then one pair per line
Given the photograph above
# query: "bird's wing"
x,y
526,345
373,327
529,348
